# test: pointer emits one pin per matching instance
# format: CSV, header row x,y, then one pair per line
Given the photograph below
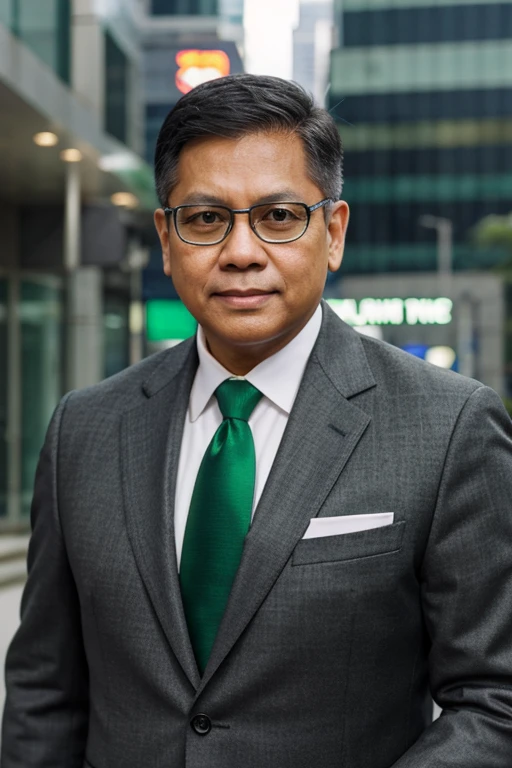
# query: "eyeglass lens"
x,y
273,222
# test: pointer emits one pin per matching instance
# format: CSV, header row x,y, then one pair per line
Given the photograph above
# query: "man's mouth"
x,y
248,298
244,292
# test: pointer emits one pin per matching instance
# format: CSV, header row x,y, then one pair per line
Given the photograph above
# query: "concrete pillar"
x,y
88,52
84,328
84,297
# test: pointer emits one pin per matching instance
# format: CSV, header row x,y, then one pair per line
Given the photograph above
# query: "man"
x,y
270,544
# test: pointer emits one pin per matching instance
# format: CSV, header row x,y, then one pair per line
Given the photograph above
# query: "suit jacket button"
x,y
201,724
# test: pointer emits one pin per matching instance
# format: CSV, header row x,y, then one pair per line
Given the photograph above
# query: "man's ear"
x,y
161,224
336,231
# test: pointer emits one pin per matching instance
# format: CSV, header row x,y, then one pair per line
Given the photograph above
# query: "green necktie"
x,y
219,517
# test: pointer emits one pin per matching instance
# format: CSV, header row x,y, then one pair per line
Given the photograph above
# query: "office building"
x,y
312,43
422,92
71,136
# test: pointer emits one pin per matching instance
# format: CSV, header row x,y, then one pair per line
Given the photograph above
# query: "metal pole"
x,y
465,350
72,217
444,247
444,231
72,234
14,410
138,258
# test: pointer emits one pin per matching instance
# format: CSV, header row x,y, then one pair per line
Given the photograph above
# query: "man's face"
x,y
250,297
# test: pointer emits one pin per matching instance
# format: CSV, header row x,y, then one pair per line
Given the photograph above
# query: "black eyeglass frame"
x,y
308,208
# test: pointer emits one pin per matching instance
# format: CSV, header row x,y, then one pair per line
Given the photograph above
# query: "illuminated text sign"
x,y
393,311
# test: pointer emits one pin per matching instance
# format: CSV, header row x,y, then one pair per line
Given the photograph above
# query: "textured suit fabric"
x,y
329,648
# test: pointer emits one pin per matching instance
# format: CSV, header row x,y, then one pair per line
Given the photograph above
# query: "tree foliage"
x,y
494,230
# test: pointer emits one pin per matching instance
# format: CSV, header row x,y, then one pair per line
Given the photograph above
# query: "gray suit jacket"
x,y
329,648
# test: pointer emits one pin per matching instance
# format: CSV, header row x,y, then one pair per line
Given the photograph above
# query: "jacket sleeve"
x,y
467,596
45,720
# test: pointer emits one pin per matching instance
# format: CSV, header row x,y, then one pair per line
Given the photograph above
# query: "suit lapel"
x,y
150,446
322,432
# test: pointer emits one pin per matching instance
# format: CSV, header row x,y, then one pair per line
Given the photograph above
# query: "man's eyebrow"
x,y
202,198
283,196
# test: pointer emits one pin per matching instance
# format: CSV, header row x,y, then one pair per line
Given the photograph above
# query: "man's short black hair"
x,y
238,105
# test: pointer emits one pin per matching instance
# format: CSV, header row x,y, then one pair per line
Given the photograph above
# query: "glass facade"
x,y
184,7
424,24
30,384
44,27
155,116
426,104
484,64
41,369
6,13
3,398
116,89
423,97
422,93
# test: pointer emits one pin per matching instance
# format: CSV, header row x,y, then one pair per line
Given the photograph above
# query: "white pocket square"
x,y
334,526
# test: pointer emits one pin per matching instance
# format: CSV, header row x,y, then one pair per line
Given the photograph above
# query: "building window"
x,y
116,89
3,398
427,24
155,116
45,28
6,13
184,7
41,372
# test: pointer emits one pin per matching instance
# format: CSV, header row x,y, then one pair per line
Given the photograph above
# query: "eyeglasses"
x,y
279,222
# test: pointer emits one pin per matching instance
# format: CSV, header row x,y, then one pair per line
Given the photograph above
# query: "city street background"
x,y
421,91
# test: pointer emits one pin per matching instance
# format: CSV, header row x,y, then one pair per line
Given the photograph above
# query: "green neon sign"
x,y
168,320
411,311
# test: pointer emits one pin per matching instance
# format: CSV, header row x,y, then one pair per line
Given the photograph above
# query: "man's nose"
x,y
242,248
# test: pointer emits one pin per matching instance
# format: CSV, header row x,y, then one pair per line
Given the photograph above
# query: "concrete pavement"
x,y
13,557
9,620
13,571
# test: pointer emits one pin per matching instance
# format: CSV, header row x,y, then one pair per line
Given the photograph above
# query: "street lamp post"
x,y
465,350
444,229
72,236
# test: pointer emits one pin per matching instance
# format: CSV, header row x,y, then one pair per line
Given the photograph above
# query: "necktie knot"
x,y
237,399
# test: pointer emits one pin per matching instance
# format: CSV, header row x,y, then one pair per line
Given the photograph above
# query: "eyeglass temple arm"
x,y
312,208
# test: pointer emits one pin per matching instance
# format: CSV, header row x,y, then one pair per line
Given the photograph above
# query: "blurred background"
x,y
422,93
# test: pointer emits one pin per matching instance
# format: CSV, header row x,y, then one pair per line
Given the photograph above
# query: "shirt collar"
x,y
278,377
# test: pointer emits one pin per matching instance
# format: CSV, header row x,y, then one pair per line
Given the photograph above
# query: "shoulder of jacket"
x,y
125,389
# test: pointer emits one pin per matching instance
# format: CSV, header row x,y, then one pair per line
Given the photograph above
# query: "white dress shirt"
x,y
278,378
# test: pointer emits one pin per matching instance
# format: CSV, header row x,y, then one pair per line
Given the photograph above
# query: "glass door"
x,y
41,371
3,398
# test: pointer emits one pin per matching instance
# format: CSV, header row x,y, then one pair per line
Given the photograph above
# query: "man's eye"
x,y
279,215
202,218
209,217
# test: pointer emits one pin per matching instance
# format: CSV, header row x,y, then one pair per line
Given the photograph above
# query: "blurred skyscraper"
x,y
422,92
426,90
312,43
186,42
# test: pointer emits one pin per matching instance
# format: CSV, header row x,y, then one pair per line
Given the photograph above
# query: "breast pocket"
x,y
350,546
